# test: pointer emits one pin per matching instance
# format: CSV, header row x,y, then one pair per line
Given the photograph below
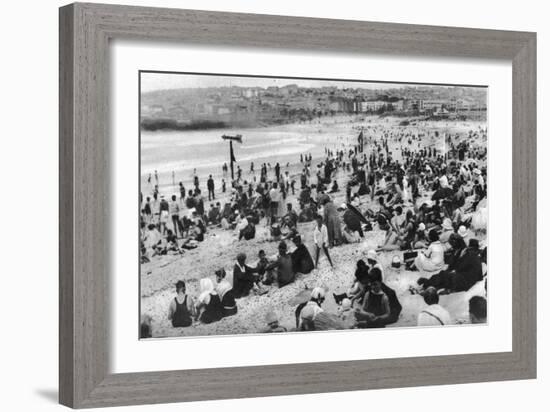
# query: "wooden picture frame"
x,y
85,32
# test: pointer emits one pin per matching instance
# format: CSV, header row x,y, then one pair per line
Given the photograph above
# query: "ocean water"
x,y
176,154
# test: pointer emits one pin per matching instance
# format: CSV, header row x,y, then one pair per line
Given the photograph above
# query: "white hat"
x,y
346,304
421,227
371,255
477,172
462,231
317,293
447,224
343,206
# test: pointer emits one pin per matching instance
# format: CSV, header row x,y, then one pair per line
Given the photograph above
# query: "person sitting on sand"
x,y
464,271
375,307
431,260
182,309
477,307
334,187
372,261
433,314
209,307
346,314
301,258
145,327
214,214
350,236
272,324
395,231
291,232
291,217
284,273
225,292
244,277
152,241
307,312
420,241
361,283
447,231
172,242
352,221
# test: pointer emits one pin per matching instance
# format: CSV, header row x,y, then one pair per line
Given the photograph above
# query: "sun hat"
x,y
396,262
371,255
346,304
462,231
343,206
447,224
421,227
318,293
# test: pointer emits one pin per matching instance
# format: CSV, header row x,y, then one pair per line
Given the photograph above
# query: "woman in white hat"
x,y
431,260
447,231
311,309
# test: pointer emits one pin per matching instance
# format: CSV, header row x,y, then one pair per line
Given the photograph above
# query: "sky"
x,y
164,81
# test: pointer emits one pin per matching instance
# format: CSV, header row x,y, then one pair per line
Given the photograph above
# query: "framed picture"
x,y
257,205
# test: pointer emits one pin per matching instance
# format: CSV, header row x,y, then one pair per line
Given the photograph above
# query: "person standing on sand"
x,y
320,238
182,191
164,209
275,197
333,225
182,309
210,186
175,215
277,172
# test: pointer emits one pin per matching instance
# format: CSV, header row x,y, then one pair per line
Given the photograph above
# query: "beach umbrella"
x,y
358,213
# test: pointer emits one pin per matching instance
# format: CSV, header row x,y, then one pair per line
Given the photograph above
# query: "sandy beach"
x,y
220,247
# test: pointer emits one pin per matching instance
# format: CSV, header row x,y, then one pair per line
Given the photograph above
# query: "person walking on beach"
x,y
210,186
156,178
320,238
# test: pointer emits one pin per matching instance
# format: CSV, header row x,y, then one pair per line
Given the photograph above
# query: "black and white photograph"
x,y
282,205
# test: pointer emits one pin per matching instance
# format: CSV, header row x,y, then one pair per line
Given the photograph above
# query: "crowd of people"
x,y
429,202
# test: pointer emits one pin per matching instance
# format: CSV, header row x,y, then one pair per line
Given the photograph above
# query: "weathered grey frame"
x,y
85,31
